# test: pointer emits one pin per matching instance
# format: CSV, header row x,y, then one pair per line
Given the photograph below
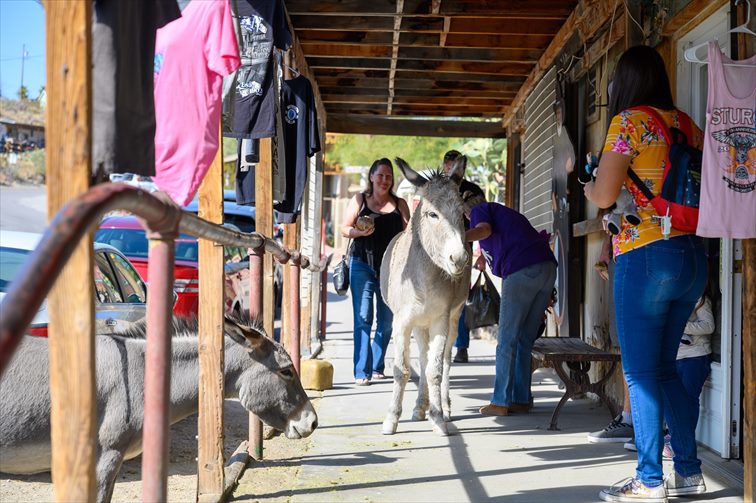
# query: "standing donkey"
x,y
257,370
425,277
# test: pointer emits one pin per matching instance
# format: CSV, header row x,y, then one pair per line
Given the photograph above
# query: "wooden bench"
x,y
553,351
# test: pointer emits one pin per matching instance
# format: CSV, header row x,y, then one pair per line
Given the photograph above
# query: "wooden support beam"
x,y
691,15
360,124
532,9
587,227
263,225
394,54
210,482
587,18
407,39
599,48
68,35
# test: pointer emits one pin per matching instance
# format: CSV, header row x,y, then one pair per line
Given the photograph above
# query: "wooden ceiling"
x,y
423,58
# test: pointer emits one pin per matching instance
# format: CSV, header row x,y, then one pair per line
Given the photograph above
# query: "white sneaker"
x,y
678,485
633,490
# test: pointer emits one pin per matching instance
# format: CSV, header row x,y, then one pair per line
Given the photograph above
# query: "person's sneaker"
x,y
616,431
678,485
667,452
460,356
634,490
494,410
630,445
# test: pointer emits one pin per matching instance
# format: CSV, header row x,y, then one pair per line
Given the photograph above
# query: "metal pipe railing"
x,y
82,215
162,220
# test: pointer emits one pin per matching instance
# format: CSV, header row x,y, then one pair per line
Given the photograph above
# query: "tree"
x,y
23,93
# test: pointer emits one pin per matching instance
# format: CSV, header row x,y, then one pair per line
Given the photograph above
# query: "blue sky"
x,y
21,22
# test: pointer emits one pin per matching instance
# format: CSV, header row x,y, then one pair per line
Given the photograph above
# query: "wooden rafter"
x,y
394,53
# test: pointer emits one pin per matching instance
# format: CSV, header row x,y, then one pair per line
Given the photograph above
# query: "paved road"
x,y
23,208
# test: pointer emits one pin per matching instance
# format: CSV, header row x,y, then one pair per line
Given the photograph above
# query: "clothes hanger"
x,y
282,62
690,53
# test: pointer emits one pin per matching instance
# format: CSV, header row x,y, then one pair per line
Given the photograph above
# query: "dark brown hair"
x,y
373,168
640,79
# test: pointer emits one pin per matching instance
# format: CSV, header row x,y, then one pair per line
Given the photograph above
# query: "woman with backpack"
x,y
660,274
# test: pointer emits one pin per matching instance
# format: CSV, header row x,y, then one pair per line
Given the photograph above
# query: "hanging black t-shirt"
x,y
301,140
123,105
262,25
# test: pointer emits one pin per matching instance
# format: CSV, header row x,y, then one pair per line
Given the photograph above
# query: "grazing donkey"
x,y
425,277
257,370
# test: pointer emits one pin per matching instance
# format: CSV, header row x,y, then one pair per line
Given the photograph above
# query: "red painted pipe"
x,y
294,315
256,313
157,379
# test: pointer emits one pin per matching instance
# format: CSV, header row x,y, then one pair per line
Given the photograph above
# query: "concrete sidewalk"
x,y
512,458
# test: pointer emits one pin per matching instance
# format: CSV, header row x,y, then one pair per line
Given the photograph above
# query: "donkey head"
x,y
269,385
437,222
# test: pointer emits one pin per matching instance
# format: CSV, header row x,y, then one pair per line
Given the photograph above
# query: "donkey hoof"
x,y
441,429
389,427
418,415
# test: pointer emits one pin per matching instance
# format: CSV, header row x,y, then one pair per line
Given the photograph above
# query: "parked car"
x,y
120,292
127,234
139,181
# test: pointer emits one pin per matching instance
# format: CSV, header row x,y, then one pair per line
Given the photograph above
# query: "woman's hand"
x,y
480,263
356,233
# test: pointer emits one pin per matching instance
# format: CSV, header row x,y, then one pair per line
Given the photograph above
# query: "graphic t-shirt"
x,y
637,135
123,108
301,140
728,174
514,244
192,55
262,25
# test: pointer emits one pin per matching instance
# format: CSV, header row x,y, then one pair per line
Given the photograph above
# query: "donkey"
x,y
257,370
425,277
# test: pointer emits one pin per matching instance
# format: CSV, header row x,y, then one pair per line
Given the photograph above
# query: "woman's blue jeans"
x,y
364,285
525,295
656,288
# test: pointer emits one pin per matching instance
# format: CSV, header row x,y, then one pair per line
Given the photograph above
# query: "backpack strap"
x,y
668,139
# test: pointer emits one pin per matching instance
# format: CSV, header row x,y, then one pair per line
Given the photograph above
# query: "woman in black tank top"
x,y
389,215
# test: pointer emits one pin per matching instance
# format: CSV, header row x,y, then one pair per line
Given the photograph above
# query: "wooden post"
x,y
68,32
263,225
210,461
317,215
746,49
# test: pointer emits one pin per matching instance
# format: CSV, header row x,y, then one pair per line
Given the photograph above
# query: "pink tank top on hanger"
x,y
728,175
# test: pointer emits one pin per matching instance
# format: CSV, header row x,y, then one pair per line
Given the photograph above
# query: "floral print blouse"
x,y
637,135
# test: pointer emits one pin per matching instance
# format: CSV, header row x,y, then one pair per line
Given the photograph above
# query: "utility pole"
x,y
23,57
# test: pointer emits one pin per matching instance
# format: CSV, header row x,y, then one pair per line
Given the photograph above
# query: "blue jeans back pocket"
x,y
664,265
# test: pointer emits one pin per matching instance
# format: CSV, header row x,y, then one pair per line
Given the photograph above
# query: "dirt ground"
x,y
281,462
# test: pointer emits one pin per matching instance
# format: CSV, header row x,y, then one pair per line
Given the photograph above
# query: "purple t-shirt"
x,y
514,244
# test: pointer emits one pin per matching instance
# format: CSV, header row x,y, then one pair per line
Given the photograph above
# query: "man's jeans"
x,y
524,298
656,288
463,334
364,285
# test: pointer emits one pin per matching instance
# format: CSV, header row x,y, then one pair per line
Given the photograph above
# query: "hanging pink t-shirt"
x,y
192,55
728,175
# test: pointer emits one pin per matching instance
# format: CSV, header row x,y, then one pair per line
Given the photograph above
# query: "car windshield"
x,y
133,243
11,260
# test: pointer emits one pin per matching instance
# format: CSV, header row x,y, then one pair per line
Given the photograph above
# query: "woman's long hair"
x,y
373,168
640,79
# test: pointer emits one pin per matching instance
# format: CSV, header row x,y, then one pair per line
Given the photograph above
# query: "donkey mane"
x,y
188,326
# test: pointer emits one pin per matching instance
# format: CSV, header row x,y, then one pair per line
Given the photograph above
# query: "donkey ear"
x,y
410,174
248,336
457,172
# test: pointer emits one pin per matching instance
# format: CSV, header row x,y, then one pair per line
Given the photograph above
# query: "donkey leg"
x,y
401,376
108,465
445,396
421,405
433,371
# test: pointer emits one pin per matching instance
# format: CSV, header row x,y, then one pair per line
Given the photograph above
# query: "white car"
x,y
120,293
139,181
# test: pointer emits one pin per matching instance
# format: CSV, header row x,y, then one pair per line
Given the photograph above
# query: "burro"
x,y
425,277
257,370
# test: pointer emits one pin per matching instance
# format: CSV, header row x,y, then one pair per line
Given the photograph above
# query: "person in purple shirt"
x,y
521,256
